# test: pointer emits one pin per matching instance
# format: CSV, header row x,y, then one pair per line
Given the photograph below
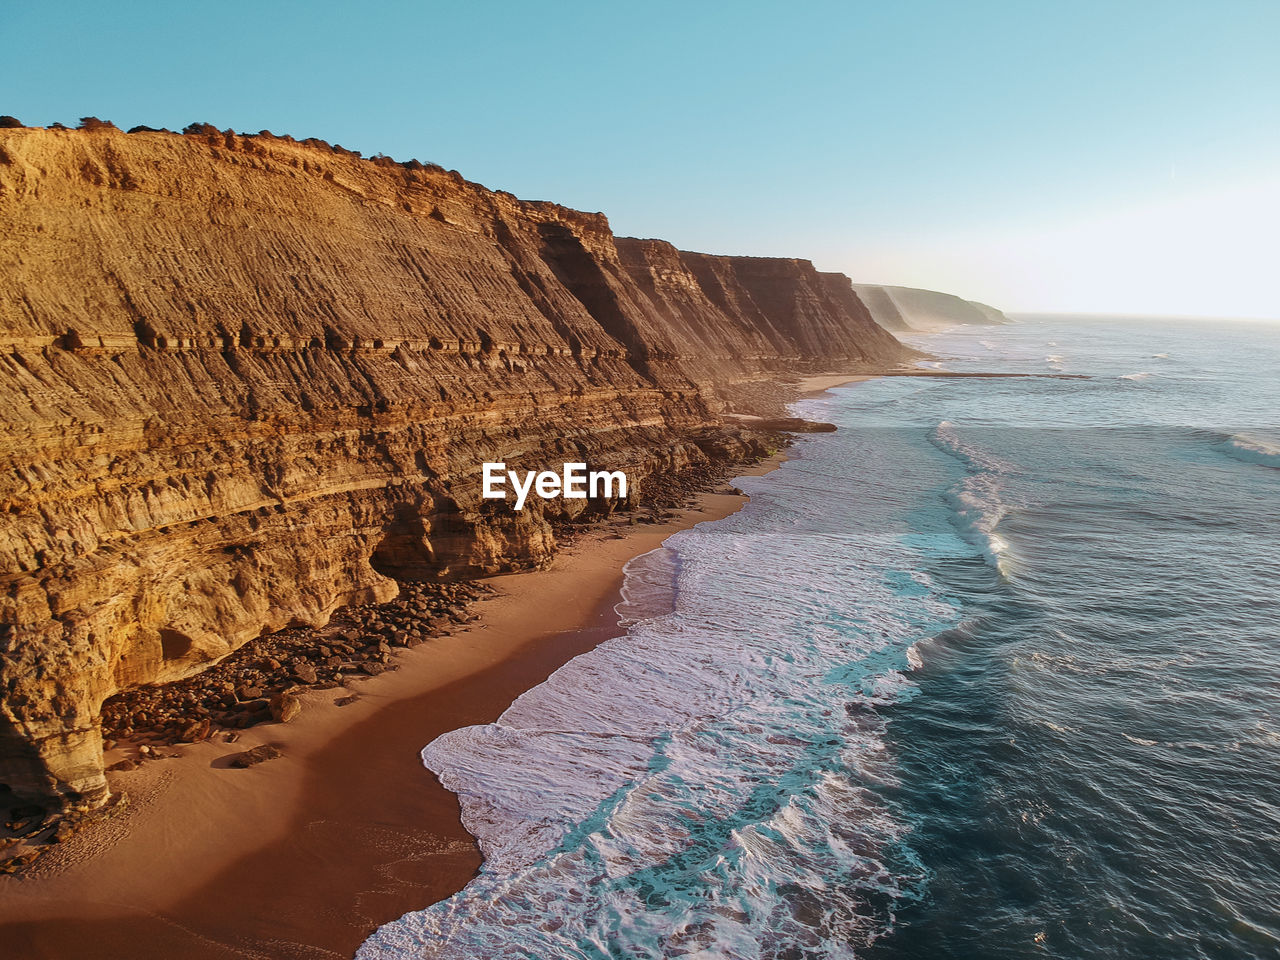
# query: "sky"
x,y
1110,157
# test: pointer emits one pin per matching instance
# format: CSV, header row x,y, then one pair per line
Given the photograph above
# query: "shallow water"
x,y
992,671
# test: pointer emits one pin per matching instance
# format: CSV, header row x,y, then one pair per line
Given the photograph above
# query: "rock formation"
x,y
245,381
908,308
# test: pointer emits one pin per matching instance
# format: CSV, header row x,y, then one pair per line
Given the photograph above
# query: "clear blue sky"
x,y
1039,155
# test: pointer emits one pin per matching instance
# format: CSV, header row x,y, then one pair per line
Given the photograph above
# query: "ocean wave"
x,y
649,584
1250,449
1140,741
978,502
1142,375
693,785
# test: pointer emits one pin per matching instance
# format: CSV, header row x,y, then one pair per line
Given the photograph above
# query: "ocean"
x,y
993,671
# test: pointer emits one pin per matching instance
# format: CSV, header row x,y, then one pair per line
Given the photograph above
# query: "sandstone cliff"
x,y
908,308
245,381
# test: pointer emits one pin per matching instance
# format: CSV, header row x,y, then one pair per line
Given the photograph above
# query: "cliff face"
x,y
908,308
726,317
245,381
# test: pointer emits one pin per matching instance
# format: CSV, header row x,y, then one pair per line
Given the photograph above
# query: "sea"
x,y
993,671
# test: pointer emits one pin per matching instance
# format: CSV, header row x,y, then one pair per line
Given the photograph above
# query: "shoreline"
x,y
305,855
815,385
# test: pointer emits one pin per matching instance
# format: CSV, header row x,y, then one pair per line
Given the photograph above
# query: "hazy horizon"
x,y
1111,315
1105,159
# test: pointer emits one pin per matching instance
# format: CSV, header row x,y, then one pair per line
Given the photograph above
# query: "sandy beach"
x,y
305,855
811,386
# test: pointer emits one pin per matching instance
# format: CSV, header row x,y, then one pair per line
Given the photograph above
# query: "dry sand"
x,y
811,386
305,855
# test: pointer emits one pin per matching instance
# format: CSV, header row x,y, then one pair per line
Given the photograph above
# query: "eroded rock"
x,y
285,707
258,754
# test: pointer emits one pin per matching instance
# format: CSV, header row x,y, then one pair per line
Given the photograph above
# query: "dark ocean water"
x,y
993,671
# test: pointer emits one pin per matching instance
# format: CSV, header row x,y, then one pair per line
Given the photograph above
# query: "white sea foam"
x,y
1140,741
1058,728
978,501
648,586
1252,449
1142,375
688,787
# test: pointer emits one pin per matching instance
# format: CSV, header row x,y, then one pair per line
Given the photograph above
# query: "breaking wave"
x,y
694,786
978,501
649,586
1249,449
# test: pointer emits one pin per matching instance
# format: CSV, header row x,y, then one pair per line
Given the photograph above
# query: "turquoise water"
x,y
993,671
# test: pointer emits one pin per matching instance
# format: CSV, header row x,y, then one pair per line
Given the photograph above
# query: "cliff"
x,y
908,308
246,381
730,317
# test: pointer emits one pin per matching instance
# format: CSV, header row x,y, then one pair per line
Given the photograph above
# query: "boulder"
x,y
284,707
194,732
255,756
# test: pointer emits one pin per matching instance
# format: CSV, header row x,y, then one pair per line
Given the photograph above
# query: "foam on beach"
x,y
691,784
649,586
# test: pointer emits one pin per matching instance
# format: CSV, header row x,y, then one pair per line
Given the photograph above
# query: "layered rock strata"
x,y
246,381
